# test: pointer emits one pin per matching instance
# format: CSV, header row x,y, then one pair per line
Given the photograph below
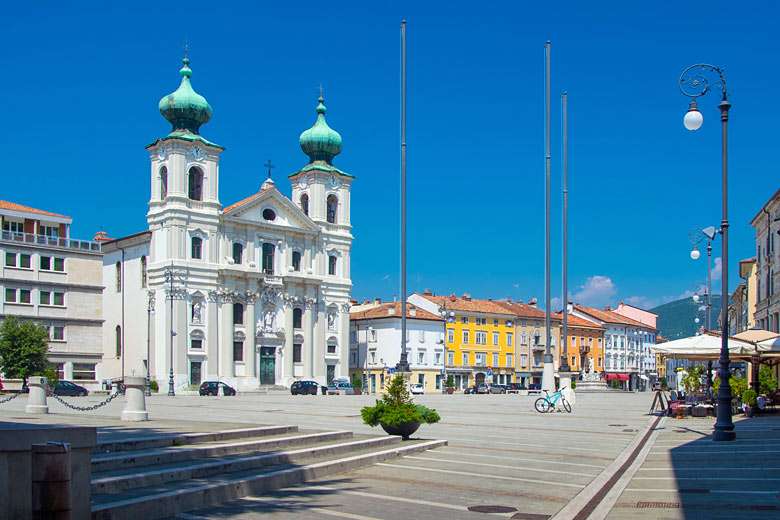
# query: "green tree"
x,y
23,348
767,382
738,385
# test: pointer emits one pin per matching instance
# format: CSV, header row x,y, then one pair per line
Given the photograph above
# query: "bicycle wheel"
x,y
542,405
566,405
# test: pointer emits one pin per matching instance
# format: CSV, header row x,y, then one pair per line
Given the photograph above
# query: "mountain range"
x,y
677,319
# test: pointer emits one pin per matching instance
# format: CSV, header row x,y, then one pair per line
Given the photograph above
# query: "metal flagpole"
x,y
565,364
548,376
403,363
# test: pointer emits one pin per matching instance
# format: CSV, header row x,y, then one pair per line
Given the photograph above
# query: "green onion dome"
x,y
185,109
320,142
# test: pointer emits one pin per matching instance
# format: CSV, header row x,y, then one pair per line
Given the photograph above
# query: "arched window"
x,y
119,277
305,204
296,260
163,182
297,318
143,272
197,246
238,251
332,203
331,265
195,191
238,314
118,341
268,258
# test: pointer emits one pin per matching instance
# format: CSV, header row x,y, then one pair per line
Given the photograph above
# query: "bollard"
x,y
51,481
36,400
135,402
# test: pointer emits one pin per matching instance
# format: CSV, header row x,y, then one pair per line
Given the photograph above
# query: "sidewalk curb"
x,y
586,501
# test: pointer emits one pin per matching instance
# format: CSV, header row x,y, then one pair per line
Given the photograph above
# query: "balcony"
x,y
273,279
47,241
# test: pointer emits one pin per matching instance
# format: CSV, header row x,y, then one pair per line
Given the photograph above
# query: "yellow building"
x,y
480,338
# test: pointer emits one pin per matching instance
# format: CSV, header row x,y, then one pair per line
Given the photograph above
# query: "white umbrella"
x,y
700,348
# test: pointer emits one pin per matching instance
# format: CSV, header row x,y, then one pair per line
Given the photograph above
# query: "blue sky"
x,y
81,84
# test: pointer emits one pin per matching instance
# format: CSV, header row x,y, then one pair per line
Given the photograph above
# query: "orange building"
x,y
585,344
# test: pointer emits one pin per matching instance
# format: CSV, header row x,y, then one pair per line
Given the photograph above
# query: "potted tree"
x,y
450,384
749,397
357,384
397,413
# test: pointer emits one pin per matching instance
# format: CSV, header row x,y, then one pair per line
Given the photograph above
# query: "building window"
x,y
297,318
143,272
297,352
84,371
197,247
305,204
523,360
422,336
332,203
332,265
118,341
480,337
495,323
58,333
465,337
17,228
238,253
421,358
196,343
331,347
495,360
479,359
524,338
509,360
296,260
238,351
24,260
24,295
508,339
372,335
465,359
195,185
372,356
537,337
481,321
10,259
450,357
495,338
599,362
238,314
450,335
464,320
163,182
268,258
48,231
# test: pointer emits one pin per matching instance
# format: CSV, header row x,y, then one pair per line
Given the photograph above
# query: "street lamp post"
x,y
149,312
697,236
170,278
696,81
565,364
548,375
447,317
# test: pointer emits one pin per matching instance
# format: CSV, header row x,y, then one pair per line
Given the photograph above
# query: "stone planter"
x,y
450,390
403,429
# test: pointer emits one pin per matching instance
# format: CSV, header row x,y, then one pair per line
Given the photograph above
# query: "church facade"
x,y
255,293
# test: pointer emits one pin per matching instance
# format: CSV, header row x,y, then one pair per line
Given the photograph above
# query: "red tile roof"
x,y
453,303
18,207
248,199
383,311
611,317
523,310
576,321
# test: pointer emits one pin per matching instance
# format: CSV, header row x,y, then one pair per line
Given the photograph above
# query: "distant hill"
x,y
676,319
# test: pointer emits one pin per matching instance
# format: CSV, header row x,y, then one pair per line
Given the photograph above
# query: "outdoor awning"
x,y
612,375
642,376
703,347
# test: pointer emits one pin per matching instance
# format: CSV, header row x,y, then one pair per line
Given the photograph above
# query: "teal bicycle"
x,y
547,403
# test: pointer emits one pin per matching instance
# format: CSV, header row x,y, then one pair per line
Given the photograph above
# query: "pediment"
x,y
285,213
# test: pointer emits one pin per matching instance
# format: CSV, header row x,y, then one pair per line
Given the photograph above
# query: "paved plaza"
x,y
608,459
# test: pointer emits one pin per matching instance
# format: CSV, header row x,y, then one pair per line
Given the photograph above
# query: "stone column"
x,y
319,338
289,339
135,405
308,340
181,370
344,345
226,337
250,356
36,400
212,337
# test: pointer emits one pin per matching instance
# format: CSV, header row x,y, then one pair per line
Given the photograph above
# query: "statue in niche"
x,y
196,308
268,321
331,321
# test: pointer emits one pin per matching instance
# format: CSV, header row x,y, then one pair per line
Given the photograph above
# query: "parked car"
x,y
515,387
304,388
68,388
215,388
535,388
417,389
482,389
495,388
339,387
470,390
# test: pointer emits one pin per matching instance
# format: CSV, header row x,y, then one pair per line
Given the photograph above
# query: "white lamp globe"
x,y
695,297
695,254
693,119
696,320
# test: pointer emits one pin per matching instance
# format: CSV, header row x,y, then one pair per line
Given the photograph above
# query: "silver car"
x,y
337,388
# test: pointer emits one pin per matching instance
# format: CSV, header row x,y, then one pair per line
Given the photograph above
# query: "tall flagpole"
x,y
548,375
403,363
565,362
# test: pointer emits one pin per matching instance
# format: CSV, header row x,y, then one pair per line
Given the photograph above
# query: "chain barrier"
x,y
14,396
86,408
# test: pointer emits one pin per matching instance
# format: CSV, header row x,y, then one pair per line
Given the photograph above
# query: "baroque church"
x,y
254,293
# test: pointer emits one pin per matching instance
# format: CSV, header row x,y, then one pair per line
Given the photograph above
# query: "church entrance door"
x,y
267,365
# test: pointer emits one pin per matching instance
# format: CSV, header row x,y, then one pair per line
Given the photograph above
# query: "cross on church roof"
x,y
320,89
269,166
186,48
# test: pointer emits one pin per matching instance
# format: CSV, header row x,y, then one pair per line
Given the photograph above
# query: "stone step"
x,y
134,459
118,481
146,442
161,501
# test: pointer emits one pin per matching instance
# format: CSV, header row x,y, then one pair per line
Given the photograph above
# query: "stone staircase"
x,y
163,475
